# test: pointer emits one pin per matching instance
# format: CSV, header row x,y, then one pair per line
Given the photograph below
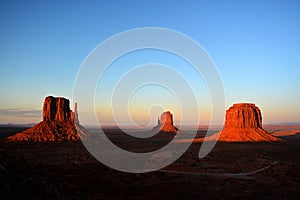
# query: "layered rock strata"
x,y
59,123
243,123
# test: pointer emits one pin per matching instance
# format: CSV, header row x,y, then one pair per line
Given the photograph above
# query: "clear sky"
x,y
255,45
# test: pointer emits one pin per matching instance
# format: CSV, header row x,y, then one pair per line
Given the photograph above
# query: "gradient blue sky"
x,y
255,45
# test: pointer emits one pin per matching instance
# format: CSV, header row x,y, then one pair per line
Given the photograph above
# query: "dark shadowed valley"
x,y
66,170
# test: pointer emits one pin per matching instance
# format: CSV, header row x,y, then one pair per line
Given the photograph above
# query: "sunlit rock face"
x,y
59,123
75,115
57,109
165,124
243,115
243,123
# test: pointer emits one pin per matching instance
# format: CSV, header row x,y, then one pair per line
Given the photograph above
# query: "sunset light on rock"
x,y
150,99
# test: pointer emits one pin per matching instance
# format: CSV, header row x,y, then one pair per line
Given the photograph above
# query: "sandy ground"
x,y
65,170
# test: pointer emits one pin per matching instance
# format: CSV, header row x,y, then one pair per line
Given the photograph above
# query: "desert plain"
x,y
232,170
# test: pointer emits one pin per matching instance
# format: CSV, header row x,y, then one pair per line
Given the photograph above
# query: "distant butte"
x,y
243,123
165,124
59,123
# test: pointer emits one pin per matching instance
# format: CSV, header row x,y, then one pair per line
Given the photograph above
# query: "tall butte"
x,y
165,124
243,123
59,123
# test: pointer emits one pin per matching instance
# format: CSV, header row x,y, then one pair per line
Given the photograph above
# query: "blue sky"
x,y
255,45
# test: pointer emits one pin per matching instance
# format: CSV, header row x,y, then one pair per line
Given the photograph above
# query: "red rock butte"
x,y
243,123
59,123
165,123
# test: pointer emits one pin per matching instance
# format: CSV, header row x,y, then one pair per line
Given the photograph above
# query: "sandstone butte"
x,y
165,124
243,123
59,123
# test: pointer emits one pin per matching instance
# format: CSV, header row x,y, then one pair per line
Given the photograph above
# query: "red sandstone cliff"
x,y
244,124
59,123
165,124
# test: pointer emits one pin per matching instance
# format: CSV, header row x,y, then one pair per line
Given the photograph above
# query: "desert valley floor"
x,y
65,170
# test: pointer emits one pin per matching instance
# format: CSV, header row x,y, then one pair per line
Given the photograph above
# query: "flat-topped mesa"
x,y
165,123
59,123
243,115
244,124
